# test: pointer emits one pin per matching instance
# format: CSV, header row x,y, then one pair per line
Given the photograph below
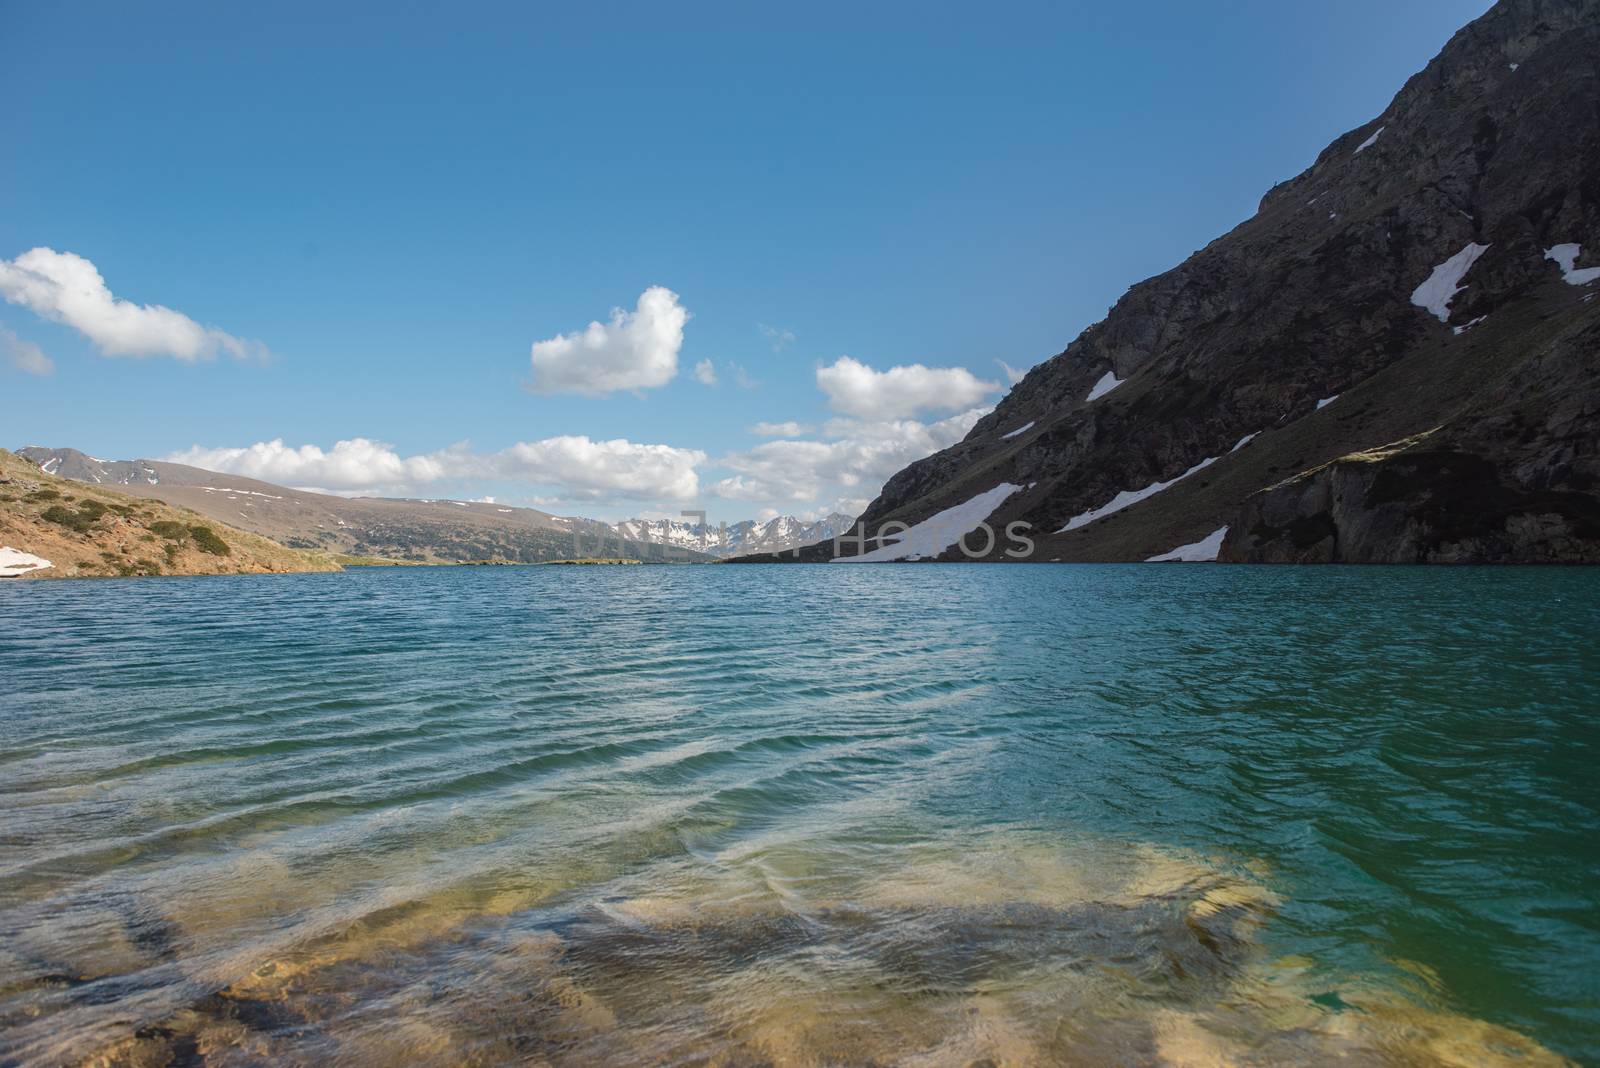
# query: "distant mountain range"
x,y
420,529
739,539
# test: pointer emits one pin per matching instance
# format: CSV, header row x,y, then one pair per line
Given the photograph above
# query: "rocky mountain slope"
x,y
1397,359
92,531
425,530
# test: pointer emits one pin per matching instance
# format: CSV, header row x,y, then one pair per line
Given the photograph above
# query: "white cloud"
x,y
24,355
858,457
780,336
856,389
353,464
741,377
592,469
790,429
579,468
66,288
635,350
1013,375
705,372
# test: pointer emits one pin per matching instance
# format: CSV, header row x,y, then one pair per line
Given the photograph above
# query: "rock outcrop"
x,y
1513,479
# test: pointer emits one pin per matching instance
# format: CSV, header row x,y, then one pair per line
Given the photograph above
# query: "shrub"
x,y
44,495
77,521
169,529
81,520
206,540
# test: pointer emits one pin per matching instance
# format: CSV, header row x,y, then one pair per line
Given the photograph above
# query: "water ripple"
x,y
919,815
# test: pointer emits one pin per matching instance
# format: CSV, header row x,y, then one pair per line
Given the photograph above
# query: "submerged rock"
x,y
1017,953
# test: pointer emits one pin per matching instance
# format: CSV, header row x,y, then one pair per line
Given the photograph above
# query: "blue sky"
x,y
396,205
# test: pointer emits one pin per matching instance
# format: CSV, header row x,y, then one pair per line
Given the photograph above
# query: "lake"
x,y
933,814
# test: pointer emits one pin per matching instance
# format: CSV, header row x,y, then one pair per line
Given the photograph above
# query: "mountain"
x,y
781,534
1397,359
403,529
426,530
83,531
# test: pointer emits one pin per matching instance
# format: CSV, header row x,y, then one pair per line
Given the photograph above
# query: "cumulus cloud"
x,y
592,469
853,462
705,372
857,389
580,468
790,429
66,288
23,354
635,350
354,464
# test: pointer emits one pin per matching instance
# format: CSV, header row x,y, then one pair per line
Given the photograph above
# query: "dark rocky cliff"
x,y
1487,159
1514,478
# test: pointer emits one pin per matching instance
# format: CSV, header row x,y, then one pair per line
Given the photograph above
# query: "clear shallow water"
x,y
803,815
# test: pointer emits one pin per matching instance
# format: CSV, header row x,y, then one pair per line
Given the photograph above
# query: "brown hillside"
x,y
87,531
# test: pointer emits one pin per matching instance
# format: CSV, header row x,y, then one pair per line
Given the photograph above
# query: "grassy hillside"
x,y
88,531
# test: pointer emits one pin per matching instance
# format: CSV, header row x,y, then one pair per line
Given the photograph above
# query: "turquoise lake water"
x,y
803,815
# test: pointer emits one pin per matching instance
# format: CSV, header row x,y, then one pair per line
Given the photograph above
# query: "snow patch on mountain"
x,y
1196,552
1023,429
1108,382
1437,290
1566,255
938,532
15,562
240,492
1130,497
